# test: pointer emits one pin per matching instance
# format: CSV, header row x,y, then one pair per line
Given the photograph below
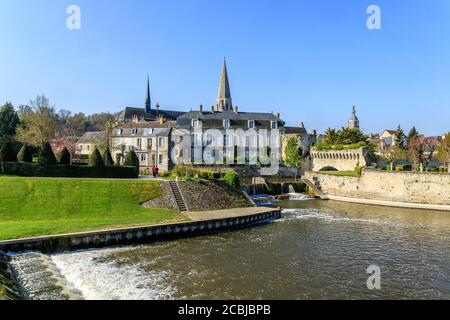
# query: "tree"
x,y
413,133
7,153
444,151
8,120
107,158
38,122
416,149
65,157
25,154
132,160
46,156
293,154
392,154
95,160
400,138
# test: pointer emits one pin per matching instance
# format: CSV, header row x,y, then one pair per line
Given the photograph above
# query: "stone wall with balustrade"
x,y
343,160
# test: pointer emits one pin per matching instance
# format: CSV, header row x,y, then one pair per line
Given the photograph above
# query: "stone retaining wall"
x,y
8,288
410,187
137,234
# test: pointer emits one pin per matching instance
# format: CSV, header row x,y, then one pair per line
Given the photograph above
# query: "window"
x,y
195,123
149,143
251,124
88,147
150,131
160,159
227,140
119,132
143,157
226,123
161,142
134,131
139,143
209,139
274,125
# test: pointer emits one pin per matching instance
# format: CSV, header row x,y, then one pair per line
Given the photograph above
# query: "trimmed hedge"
x,y
64,157
67,171
96,160
25,154
231,178
46,156
107,158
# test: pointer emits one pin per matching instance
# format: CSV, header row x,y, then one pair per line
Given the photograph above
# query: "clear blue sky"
x,y
310,60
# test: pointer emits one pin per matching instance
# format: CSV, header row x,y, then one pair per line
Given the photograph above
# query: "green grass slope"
x,y
43,206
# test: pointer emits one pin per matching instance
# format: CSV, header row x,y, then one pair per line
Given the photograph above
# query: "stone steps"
x,y
178,196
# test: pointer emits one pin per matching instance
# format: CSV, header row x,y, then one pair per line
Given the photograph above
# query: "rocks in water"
x,y
8,288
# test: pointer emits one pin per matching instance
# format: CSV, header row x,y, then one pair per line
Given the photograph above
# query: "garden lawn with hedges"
x,y
45,206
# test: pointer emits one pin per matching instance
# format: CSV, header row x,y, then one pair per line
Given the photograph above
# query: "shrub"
x,y
231,178
7,153
107,158
182,171
132,161
432,169
25,154
46,156
358,170
95,160
166,174
64,157
68,171
206,174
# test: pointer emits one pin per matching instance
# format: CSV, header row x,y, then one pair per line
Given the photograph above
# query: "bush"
x,y
64,157
358,170
206,174
182,171
46,156
404,167
7,153
132,161
25,154
107,158
95,160
68,171
231,178
431,169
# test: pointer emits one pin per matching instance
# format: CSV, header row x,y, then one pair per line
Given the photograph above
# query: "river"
x,y
318,250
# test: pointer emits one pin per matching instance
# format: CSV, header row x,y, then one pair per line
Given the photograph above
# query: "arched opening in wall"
x,y
328,169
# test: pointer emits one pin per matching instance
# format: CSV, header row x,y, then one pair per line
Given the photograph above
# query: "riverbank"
x,y
200,223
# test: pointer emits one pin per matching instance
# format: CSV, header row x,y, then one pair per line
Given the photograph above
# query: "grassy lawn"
x,y
340,173
43,206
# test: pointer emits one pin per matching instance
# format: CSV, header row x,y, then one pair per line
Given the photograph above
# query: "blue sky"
x,y
309,60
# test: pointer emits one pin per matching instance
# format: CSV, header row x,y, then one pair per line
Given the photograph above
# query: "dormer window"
x,y
251,124
150,131
134,131
119,132
195,123
274,125
226,123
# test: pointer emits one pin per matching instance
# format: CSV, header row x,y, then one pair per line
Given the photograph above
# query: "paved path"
x,y
228,213
392,203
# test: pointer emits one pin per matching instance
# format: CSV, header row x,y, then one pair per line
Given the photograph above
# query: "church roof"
x,y
224,91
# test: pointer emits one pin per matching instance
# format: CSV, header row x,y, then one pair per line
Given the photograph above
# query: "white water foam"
x,y
305,214
299,197
102,279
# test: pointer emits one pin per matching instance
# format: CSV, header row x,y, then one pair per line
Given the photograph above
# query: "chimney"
x,y
278,115
302,125
236,109
201,108
161,120
135,118
314,132
212,109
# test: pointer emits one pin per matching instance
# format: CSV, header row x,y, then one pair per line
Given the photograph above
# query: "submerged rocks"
x,y
8,288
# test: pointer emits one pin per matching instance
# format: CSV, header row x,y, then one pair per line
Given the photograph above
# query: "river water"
x,y
318,250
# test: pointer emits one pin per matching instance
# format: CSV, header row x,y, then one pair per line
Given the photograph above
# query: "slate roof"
x,y
92,137
295,130
129,112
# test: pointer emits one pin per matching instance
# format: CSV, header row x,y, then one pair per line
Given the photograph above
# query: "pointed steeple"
x,y
353,123
224,102
148,101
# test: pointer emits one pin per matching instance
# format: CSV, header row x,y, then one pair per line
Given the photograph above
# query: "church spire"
x,y
148,101
353,123
224,102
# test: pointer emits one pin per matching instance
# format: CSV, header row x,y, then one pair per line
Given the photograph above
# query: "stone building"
x,y
89,141
353,122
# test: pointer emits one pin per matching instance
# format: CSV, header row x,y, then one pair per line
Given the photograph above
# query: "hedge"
x,y
231,178
25,154
46,156
7,153
64,157
67,171
96,160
